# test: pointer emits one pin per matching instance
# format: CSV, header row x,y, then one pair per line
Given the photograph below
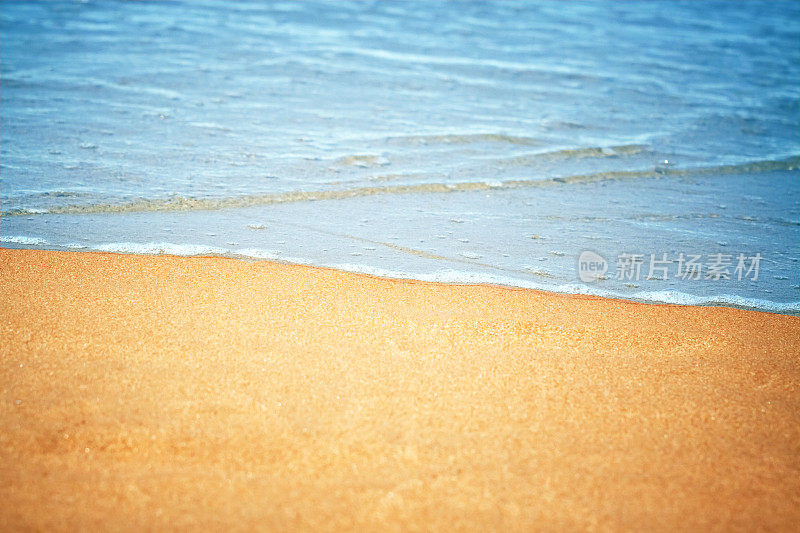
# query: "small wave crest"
x,y
21,239
574,153
458,139
180,203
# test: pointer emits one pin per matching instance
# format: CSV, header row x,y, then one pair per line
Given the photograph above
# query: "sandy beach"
x,y
161,392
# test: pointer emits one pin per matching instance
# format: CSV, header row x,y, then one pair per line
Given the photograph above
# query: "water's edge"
x,y
449,278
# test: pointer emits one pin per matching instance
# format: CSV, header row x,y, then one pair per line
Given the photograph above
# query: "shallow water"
x,y
479,142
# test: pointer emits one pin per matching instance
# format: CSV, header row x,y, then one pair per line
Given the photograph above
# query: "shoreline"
x,y
168,392
389,277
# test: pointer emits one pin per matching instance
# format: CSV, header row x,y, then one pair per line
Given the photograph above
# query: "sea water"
x,y
645,150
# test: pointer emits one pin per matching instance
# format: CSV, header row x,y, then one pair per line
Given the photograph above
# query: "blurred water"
x,y
458,141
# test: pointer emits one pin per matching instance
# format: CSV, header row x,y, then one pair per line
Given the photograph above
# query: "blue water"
x,y
452,141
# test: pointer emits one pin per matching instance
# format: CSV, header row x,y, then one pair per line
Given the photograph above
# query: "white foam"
x,y
680,298
21,239
667,297
159,248
258,253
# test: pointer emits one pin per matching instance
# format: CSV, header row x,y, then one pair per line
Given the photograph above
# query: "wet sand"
x,y
172,393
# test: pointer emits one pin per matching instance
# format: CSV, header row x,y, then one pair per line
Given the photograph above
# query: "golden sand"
x,y
173,393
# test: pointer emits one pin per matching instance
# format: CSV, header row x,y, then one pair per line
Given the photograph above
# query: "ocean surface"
x,y
645,150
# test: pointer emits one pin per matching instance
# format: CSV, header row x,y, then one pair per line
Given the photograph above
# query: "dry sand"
x,y
168,392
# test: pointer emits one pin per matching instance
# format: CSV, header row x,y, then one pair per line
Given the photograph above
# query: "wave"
x,y
181,203
573,153
468,138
